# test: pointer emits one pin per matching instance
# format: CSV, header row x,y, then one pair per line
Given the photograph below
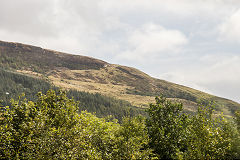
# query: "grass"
x,y
92,75
102,81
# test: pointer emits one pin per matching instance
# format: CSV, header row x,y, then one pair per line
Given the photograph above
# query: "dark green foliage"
x,y
167,128
174,135
26,57
237,119
133,139
103,105
51,128
209,137
13,84
10,62
236,136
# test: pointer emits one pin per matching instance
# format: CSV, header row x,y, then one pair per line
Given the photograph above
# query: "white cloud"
x,y
222,77
183,8
27,17
170,38
152,40
230,28
218,75
217,71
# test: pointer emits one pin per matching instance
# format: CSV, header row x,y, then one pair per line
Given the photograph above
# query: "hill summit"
x,y
96,76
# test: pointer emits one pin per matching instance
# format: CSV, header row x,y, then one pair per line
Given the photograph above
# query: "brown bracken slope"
x,y
93,75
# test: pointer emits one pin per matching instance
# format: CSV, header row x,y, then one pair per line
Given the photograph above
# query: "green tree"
x,y
57,135
45,129
167,128
132,139
16,130
52,128
208,137
205,135
237,119
99,136
236,138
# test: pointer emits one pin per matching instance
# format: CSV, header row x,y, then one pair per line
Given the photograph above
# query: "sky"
x,y
195,43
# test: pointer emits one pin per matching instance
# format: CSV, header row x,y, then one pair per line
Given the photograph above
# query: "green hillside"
x,y
52,125
14,84
95,76
52,128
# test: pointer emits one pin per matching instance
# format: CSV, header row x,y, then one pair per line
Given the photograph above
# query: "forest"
x,y
41,121
50,127
14,84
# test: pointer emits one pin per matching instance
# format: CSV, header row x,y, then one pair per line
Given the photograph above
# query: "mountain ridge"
x,y
96,76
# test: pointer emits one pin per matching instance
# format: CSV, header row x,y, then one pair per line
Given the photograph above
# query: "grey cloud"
x,y
103,29
27,16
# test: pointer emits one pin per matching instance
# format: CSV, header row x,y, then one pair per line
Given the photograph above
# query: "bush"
x,y
174,135
51,128
167,128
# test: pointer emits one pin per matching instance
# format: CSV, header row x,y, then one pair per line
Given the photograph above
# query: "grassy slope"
x,y
14,84
92,75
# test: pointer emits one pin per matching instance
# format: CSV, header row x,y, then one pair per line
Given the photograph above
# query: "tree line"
x,y
13,84
52,128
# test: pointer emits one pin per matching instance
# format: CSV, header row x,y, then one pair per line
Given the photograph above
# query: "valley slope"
x,y
96,76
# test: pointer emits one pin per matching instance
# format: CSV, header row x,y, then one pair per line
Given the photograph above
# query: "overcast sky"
x,y
190,42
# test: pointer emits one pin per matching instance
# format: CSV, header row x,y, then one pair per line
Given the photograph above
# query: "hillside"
x,y
14,84
95,76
